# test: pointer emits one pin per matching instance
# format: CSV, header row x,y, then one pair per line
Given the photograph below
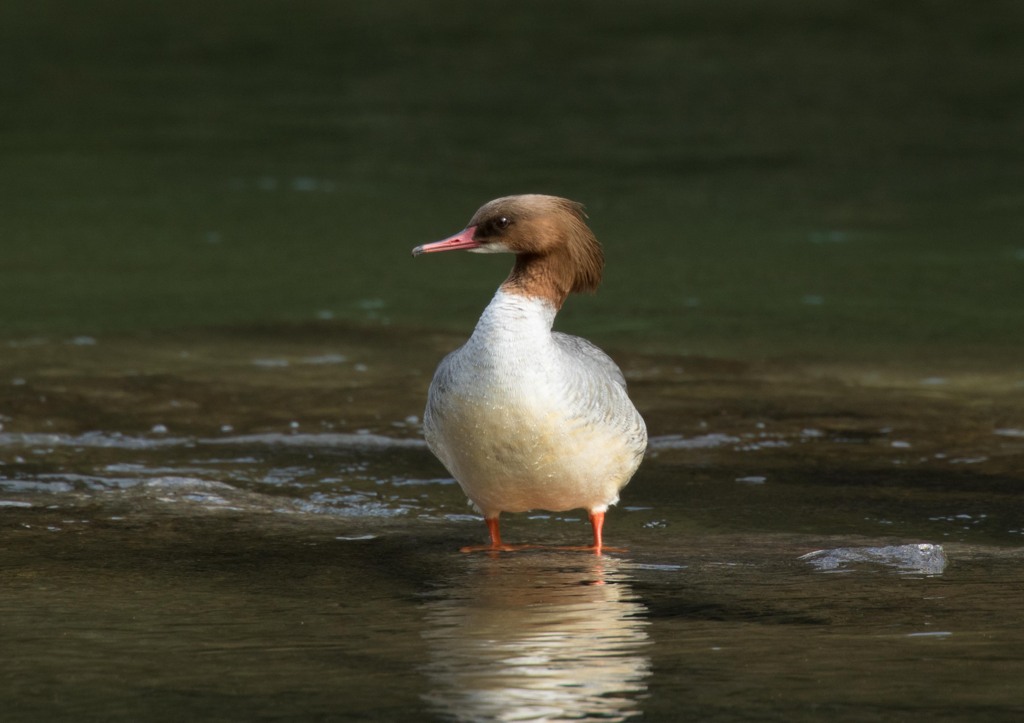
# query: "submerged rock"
x,y
924,558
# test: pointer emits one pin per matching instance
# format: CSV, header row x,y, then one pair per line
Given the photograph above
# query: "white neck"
x,y
516,318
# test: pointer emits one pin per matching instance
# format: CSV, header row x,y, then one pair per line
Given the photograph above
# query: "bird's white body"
x,y
525,418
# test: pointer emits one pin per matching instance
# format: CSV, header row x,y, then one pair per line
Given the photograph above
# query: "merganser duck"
x,y
524,417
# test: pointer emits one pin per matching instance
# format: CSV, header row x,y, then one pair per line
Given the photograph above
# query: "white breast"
x,y
525,418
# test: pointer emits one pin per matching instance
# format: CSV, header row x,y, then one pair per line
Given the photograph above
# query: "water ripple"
x,y
117,440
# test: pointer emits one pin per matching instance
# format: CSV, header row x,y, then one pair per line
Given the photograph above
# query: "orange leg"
x,y
597,522
493,528
496,544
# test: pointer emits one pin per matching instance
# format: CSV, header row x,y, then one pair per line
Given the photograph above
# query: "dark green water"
x,y
796,178
215,348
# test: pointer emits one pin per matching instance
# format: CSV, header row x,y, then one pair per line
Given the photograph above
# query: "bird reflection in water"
x,y
542,636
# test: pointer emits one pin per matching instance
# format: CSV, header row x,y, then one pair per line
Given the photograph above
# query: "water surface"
x,y
249,525
215,502
839,180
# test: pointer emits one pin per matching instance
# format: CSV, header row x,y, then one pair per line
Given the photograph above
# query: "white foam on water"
x,y
704,441
334,439
116,440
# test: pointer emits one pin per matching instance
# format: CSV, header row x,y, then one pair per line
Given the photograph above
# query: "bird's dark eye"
x,y
502,223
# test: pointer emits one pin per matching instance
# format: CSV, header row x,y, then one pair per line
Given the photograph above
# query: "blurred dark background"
x,y
788,178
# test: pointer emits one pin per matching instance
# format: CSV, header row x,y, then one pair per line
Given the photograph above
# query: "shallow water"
x,y
246,526
214,349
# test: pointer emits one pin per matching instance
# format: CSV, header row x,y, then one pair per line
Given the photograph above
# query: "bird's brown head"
x,y
556,252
